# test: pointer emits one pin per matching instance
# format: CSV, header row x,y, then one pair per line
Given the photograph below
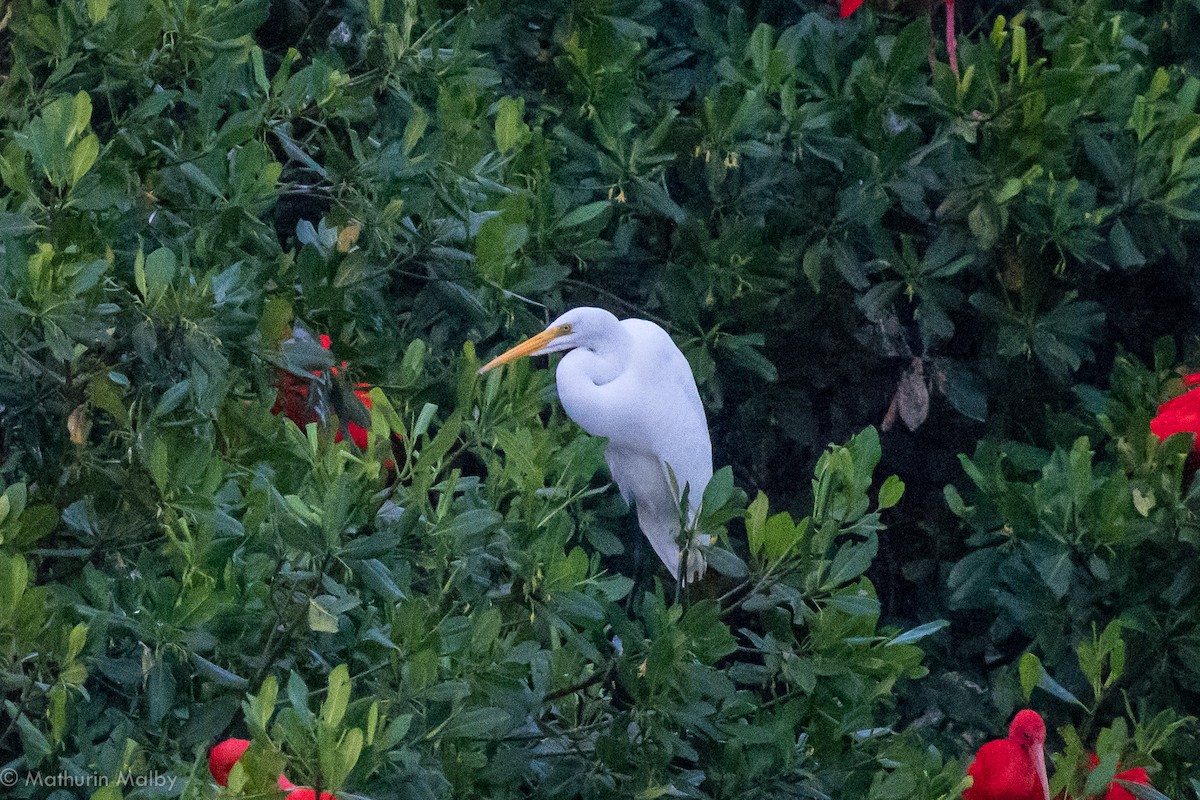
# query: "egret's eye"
x,y
567,328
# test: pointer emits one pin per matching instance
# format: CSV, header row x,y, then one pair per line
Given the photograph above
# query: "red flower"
x,y
223,756
1180,414
849,7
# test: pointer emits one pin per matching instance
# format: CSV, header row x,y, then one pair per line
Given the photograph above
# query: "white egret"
x,y
627,381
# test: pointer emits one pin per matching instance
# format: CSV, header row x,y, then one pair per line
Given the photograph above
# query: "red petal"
x,y
849,7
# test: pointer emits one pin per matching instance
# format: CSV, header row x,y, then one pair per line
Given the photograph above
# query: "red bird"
x,y
1115,790
292,401
1180,414
223,756
848,7
1012,768
227,753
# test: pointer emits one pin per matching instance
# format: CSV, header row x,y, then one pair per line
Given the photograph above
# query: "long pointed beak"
x,y
1039,766
525,348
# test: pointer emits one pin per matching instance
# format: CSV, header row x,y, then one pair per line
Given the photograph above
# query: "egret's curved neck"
x,y
605,357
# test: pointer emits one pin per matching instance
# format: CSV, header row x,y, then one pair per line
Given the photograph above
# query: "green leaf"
x,y
160,692
297,693
719,490
851,560
511,130
76,640
584,214
172,398
218,675
338,696
139,272
14,580
918,633
84,157
97,10
1125,250
158,273
756,518
1034,675
856,605
726,562
319,619
891,492
472,523
201,179
1031,673
414,129
963,389
910,48
1011,188
984,221
1144,792
35,744
478,723
16,224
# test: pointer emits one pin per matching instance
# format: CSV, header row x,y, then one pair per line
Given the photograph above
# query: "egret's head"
x,y
579,327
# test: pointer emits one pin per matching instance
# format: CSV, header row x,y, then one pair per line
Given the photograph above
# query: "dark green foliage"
x,y
839,233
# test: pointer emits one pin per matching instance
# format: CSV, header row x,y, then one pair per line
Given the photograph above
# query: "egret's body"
x,y
628,382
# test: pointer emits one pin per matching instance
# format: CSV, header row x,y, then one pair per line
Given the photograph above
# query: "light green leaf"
x,y
84,157
891,492
319,619
338,696
511,130
97,10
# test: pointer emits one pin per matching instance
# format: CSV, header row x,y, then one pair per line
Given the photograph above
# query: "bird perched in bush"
x,y
848,7
1180,414
627,381
295,402
1115,790
225,754
1012,768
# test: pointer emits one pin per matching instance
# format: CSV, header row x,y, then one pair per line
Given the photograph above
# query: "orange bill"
x,y
526,348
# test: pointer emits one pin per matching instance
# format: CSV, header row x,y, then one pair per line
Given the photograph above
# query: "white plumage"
x,y
627,381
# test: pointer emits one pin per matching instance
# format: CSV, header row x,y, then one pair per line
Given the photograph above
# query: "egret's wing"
x,y
672,424
641,478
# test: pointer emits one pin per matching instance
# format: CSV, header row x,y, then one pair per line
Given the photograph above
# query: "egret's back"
x,y
666,426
